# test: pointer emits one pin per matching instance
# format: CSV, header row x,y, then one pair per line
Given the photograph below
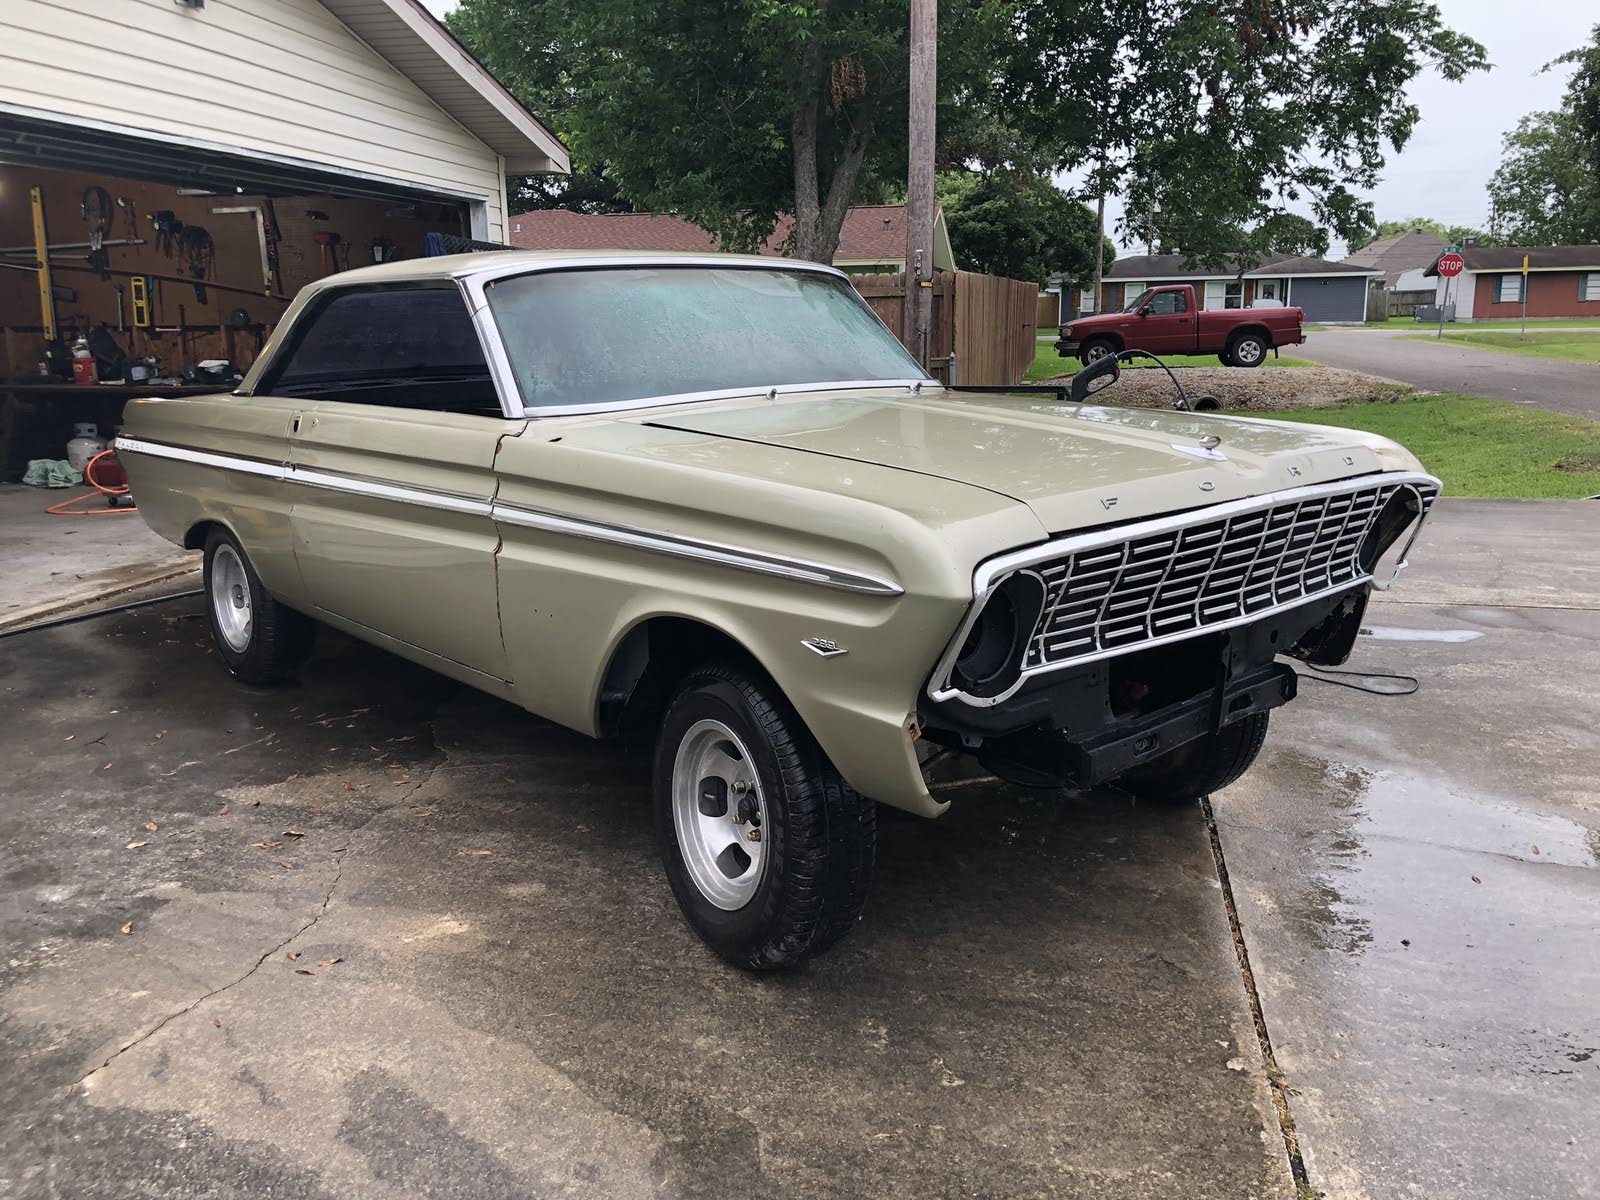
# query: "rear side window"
x,y
400,347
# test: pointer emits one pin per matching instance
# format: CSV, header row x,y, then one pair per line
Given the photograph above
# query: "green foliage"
x,y
1289,233
1209,116
1213,115
1481,447
1019,224
1547,188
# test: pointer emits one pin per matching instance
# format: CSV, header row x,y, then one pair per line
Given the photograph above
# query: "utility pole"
x,y
1099,247
918,309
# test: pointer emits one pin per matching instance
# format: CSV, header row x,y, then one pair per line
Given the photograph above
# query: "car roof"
x,y
499,262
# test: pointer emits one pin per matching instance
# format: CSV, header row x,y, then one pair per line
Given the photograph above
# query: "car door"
x,y
391,469
1168,327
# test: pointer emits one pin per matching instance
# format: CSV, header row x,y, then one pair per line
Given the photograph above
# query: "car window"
x,y
1133,305
613,335
402,347
1169,302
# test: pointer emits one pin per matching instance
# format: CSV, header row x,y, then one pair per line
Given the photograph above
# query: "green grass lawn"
x,y
1516,322
1481,447
1047,364
1575,347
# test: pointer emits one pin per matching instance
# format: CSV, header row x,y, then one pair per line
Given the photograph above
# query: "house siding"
x,y
1550,294
282,78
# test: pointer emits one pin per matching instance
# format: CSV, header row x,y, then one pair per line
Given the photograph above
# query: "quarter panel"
x,y
175,495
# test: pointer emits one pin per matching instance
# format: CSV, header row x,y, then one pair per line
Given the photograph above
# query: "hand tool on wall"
x,y
199,256
41,251
325,246
168,230
97,218
125,203
139,301
266,238
384,250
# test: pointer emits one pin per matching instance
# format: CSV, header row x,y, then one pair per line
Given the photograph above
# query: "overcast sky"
x,y
1454,149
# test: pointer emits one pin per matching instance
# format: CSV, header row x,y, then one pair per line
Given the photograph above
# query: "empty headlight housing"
x,y
991,657
1383,550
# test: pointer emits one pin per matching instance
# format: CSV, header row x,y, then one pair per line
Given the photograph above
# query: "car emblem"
x,y
824,647
1211,441
1294,470
1108,502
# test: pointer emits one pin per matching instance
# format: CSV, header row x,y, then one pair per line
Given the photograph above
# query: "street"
x,y
1565,387
390,937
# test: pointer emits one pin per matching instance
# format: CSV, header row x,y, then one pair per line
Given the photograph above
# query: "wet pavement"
x,y
1418,879
390,937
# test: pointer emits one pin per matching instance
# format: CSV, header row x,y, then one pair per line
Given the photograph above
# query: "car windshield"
x,y
1133,305
614,335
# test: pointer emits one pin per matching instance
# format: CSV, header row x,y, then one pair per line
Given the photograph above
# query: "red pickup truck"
x,y
1166,320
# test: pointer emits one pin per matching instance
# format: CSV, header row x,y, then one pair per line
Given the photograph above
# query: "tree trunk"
x,y
818,219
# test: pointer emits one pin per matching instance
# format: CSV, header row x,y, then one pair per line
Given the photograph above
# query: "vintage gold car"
x,y
711,498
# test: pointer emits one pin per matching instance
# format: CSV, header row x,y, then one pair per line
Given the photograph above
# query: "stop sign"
x,y
1451,265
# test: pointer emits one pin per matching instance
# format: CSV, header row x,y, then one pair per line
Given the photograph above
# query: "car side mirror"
x,y
1145,311
1083,385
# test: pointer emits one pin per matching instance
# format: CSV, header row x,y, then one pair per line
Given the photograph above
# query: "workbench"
x,y
36,419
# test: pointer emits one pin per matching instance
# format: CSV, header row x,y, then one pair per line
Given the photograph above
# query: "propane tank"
x,y
85,444
83,369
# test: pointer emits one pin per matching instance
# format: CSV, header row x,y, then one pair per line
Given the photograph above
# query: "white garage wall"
x,y
277,77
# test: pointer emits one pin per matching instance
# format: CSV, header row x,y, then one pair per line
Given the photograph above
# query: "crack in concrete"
x,y
322,910
1276,1081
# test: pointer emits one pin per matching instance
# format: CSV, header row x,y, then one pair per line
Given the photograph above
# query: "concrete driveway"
x,y
1564,387
389,937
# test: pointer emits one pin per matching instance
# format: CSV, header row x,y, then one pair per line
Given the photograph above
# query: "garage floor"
x,y
52,562
390,937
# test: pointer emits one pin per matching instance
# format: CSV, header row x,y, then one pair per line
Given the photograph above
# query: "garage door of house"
x,y
1331,300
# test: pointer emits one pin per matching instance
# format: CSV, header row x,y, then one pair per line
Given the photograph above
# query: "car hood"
x,y
1073,466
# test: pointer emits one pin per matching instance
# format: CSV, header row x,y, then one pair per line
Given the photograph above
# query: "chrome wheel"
x,y
719,814
1247,352
230,598
1094,352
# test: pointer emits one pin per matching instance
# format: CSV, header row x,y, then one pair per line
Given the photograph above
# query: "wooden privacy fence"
x,y
1048,315
987,322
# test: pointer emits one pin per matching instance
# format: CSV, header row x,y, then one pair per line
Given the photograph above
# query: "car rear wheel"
x,y
769,852
1247,350
1205,765
261,640
1095,349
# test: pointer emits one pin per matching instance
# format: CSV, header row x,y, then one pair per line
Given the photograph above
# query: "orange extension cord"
x,y
66,507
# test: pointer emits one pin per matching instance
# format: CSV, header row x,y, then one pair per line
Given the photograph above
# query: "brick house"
x,y
1330,292
1562,281
872,239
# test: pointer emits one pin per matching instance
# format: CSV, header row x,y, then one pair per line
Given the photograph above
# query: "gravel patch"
x,y
1262,390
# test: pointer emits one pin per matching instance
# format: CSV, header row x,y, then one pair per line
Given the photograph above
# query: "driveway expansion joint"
x,y
1275,1078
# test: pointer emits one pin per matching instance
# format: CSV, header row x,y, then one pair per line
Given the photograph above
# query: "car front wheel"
x,y
261,640
1096,349
1205,765
769,852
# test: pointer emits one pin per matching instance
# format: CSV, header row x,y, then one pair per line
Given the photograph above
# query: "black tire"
x,y
1095,349
1205,765
1247,350
819,834
277,639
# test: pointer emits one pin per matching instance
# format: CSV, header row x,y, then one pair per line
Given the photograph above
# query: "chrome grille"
x,y
1111,595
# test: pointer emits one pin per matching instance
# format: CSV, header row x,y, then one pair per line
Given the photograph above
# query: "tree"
x,y
1544,192
733,115
1289,234
1547,188
1214,113
1019,224
1210,116
1454,234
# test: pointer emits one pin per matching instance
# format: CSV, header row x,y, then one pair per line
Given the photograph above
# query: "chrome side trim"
x,y
358,485
227,462
989,575
773,391
738,557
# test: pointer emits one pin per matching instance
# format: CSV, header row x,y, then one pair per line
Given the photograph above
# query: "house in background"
x,y
873,238
1329,292
1562,281
1404,259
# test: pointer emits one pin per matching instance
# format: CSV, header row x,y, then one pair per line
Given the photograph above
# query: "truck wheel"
x,y
1247,350
1095,349
1203,766
261,640
769,852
